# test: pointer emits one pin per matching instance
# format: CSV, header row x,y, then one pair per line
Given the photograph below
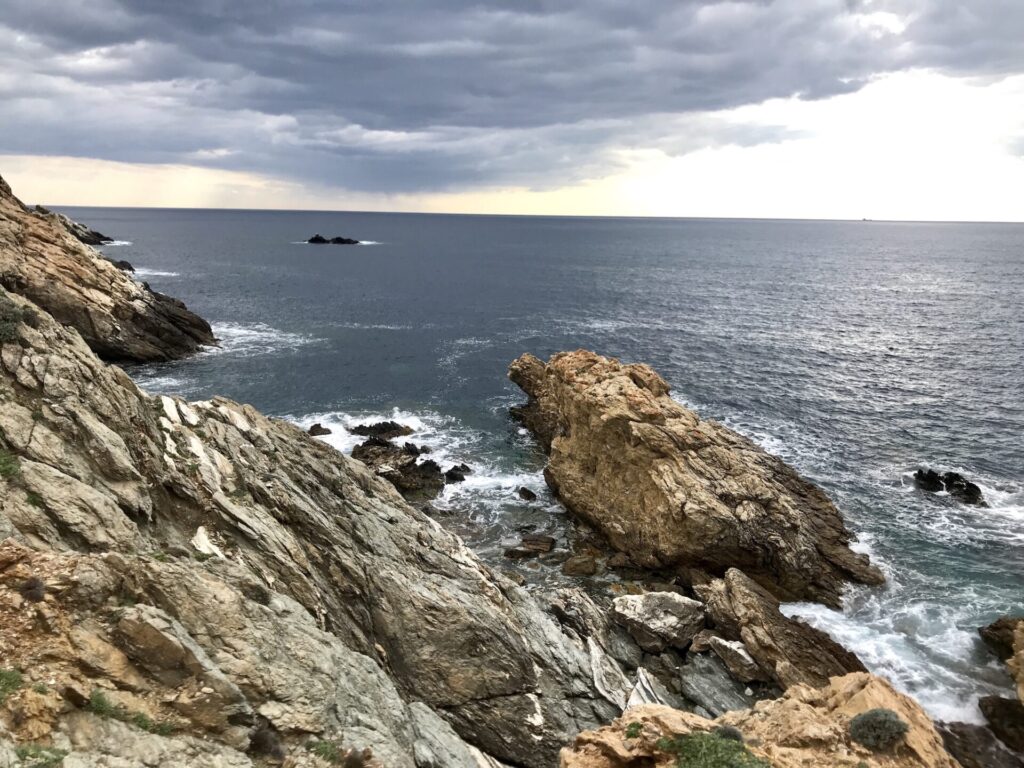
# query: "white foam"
x,y
254,339
369,242
145,272
375,326
115,244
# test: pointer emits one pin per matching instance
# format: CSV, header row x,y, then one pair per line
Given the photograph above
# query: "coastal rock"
x,y
953,483
806,727
736,659
209,568
124,266
319,239
456,474
526,494
318,430
415,480
787,650
1005,717
975,746
706,681
999,635
580,565
385,430
81,232
659,620
676,491
119,318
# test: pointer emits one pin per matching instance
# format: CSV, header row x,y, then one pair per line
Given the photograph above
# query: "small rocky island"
x,y
196,584
319,239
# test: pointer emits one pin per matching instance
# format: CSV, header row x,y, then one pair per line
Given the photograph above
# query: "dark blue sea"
x,y
857,351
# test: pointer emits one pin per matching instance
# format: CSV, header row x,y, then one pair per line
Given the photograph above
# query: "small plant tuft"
x,y
633,730
101,706
265,741
11,315
35,499
709,750
10,681
33,589
10,467
728,732
878,729
332,753
38,756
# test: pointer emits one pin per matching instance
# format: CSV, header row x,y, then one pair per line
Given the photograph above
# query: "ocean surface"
x,y
857,351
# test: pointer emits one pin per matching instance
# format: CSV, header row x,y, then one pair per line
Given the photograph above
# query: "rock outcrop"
x,y
806,727
119,318
219,574
79,231
319,239
953,483
673,490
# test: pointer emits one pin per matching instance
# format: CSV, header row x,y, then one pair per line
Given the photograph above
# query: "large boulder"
x,y
788,651
673,490
806,727
953,483
119,318
659,620
415,480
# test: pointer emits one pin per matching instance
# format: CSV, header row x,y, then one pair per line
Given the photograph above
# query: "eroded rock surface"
x,y
119,318
806,727
674,490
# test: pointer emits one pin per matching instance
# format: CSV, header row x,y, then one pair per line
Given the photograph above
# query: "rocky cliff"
x,y
119,318
676,491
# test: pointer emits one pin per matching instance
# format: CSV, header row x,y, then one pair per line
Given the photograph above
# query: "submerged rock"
x,y
806,727
386,430
676,491
119,318
953,483
526,494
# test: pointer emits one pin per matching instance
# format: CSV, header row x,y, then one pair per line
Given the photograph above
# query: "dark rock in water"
x,y
955,484
975,746
928,480
580,565
999,635
457,473
415,481
520,553
319,430
538,542
319,239
124,266
526,494
963,490
1006,719
383,429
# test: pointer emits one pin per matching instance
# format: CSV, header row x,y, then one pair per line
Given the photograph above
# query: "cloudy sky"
x,y
798,108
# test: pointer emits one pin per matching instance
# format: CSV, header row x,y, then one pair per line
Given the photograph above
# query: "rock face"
x,y
208,569
415,480
81,232
119,318
659,620
787,651
675,491
953,483
806,727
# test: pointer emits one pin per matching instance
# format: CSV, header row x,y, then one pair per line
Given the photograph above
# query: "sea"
x,y
856,351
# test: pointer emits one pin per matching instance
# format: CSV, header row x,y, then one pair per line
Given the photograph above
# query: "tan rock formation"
x,y
118,317
806,728
673,490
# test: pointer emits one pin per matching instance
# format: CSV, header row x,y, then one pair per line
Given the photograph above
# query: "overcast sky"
x,y
816,108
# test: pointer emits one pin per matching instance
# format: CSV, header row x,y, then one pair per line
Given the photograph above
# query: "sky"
x,y
885,109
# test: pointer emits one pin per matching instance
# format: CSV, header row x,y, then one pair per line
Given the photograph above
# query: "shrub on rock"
x,y
878,729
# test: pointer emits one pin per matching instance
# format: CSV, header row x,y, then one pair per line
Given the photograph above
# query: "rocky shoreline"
x,y
196,584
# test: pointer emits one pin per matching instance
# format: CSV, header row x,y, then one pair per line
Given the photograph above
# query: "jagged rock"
x,y
675,491
736,659
81,232
975,746
532,544
317,239
318,593
321,240
787,650
526,494
659,620
318,430
124,266
702,641
807,727
119,318
415,480
385,430
1005,717
456,474
580,565
999,635
955,484
706,681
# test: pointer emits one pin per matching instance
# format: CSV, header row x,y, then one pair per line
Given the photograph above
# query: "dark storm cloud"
x,y
403,96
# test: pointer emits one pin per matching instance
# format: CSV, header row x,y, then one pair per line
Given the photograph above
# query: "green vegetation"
x,y
100,705
878,729
709,750
10,681
10,467
36,756
11,315
35,499
633,730
332,753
